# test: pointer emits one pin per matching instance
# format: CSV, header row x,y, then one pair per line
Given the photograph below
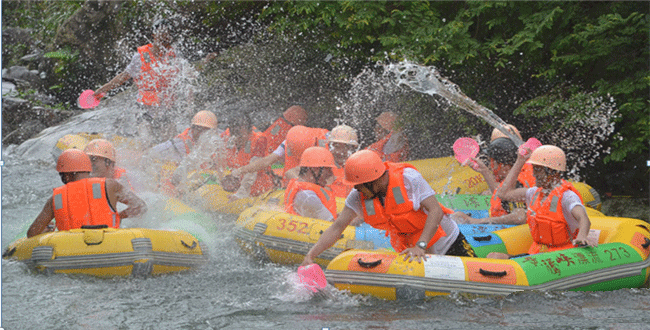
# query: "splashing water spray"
x,y
428,80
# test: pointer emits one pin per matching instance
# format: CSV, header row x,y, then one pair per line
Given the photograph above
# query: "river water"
x,y
234,291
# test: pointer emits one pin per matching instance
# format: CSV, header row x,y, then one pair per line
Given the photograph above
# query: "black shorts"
x,y
461,248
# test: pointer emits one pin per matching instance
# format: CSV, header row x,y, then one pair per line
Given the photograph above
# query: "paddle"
x,y
531,144
464,149
87,100
313,277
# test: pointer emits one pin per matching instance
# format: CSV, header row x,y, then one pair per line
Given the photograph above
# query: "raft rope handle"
x,y
646,244
491,273
482,238
372,264
191,247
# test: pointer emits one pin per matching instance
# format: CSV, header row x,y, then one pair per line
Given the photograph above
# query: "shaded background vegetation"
x,y
537,65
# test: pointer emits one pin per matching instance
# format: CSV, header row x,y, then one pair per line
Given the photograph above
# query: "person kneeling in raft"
x,y
556,216
396,198
84,201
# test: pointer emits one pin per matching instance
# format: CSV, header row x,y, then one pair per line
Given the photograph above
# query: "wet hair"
x,y
503,151
161,23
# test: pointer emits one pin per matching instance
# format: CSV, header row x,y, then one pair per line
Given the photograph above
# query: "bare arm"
x,y
115,82
486,173
580,214
508,192
331,235
42,220
257,165
117,192
434,217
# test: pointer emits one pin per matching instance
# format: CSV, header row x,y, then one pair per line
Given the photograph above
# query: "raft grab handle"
x,y
491,273
482,238
191,247
94,227
646,244
372,264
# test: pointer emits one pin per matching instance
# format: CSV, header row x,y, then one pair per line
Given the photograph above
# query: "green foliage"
x,y
43,17
599,47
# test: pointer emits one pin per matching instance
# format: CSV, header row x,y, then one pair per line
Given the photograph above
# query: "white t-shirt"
x,y
569,201
307,204
417,190
279,151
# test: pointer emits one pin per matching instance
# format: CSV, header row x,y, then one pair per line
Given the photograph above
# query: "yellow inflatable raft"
x,y
270,234
619,261
108,252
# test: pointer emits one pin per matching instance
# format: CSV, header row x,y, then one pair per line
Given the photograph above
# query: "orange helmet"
x,y
296,115
317,157
73,160
387,120
298,139
205,118
549,156
363,166
496,133
344,134
101,148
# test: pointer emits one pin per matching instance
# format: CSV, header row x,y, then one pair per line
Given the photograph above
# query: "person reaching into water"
x,y
503,154
85,201
396,198
309,195
392,144
555,213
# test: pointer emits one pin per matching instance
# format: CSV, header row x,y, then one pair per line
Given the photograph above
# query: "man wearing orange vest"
x,y
244,145
309,195
298,139
396,198
84,201
391,144
556,216
277,132
155,70
102,156
503,154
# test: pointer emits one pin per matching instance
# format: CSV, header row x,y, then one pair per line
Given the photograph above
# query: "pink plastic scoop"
x,y
313,277
464,149
87,100
531,144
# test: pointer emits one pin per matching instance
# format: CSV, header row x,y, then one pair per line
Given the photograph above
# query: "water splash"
x,y
428,80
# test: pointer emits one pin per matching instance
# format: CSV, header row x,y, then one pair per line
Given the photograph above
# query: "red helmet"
x,y
296,115
363,166
73,160
317,157
101,148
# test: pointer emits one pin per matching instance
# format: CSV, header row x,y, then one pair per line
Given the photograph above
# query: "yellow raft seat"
x,y
107,252
619,261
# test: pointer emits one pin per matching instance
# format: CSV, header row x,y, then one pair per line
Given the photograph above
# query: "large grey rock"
x,y
15,73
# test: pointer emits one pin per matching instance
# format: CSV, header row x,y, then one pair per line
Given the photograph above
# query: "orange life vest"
x,y
187,139
398,156
324,194
548,227
255,146
397,216
83,202
500,208
155,77
339,188
276,133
